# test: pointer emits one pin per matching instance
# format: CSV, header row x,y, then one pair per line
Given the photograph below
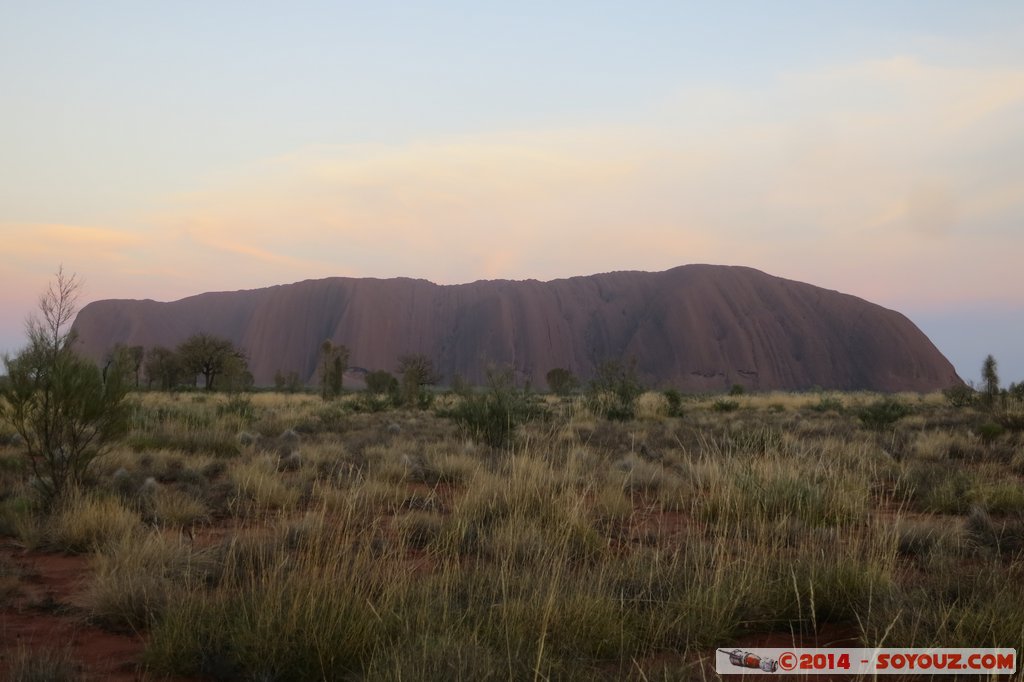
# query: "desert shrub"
x,y
454,654
303,616
756,440
561,381
238,405
1004,537
675,402
615,389
370,401
1002,497
175,508
883,413
135,579
419,529
652,407
960,395
934,487
492,416
919,538
1011,419
828,403
989,432
737,389
381,381
87,523
723,405
640,476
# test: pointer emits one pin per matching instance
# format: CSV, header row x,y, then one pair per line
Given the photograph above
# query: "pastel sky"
x,y
165,149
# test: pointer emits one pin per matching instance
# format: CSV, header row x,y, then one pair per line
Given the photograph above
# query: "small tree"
x,y
991,380
236,375
561,381
124,359
333,363
417,372
59,403
210,356
290,382
163,367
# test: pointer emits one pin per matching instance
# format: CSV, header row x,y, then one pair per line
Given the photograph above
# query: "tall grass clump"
x,y
316,610
88,522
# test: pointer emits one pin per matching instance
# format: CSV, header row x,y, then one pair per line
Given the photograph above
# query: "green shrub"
x,y
828,403
615,389
492,416
883,413
961,395
723,405
675,402
989,432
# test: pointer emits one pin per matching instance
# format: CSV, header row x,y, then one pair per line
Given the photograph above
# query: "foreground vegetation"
x,y
282,537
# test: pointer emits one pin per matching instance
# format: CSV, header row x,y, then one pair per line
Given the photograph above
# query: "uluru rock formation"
x,y
695,327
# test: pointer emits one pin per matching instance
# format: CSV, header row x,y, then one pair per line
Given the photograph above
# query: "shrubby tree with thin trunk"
x,y
211,356
990,379
417,372
124,359
333,363
61,405
162,367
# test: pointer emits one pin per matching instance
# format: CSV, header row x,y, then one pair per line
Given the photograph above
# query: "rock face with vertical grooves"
x,y
695,327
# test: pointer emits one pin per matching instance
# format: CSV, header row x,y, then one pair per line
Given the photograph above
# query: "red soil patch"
x,y
42,612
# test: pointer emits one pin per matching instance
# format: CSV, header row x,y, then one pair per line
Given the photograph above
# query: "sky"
x,y
160,150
